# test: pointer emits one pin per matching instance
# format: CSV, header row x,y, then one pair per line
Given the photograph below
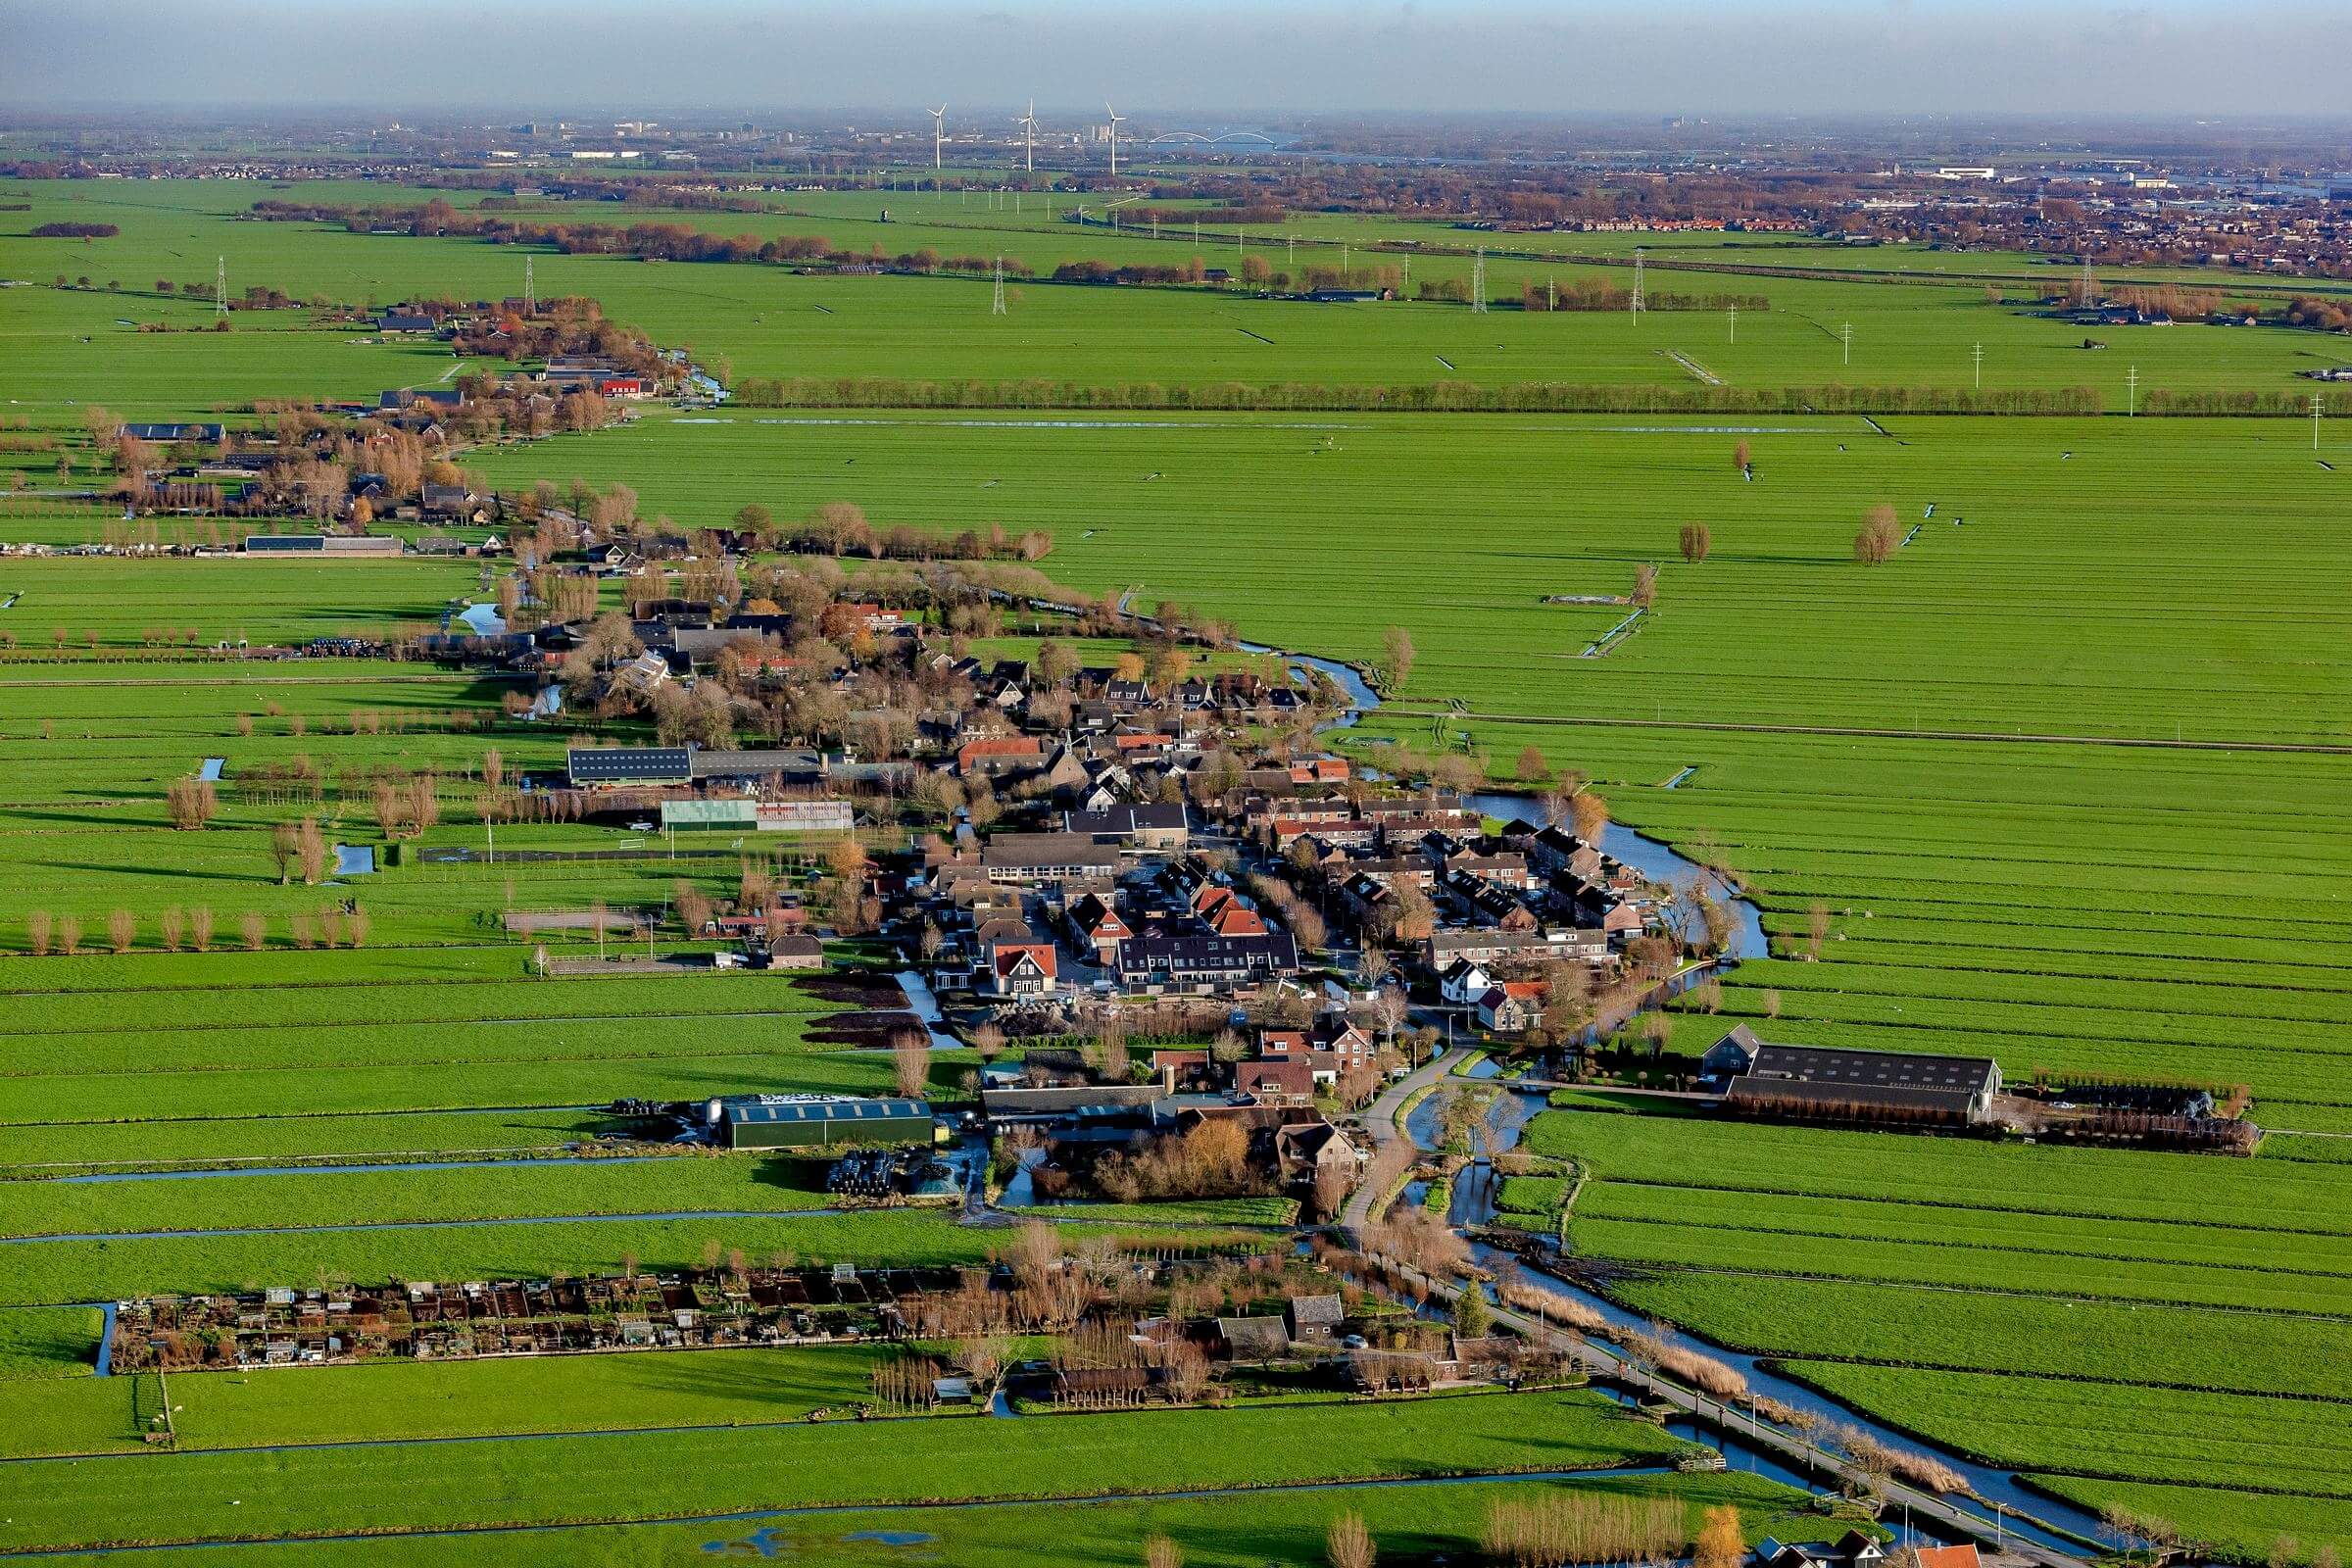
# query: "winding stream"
x,y
2026,1511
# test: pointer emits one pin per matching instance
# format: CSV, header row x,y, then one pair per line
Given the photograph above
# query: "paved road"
x,y
1380,1123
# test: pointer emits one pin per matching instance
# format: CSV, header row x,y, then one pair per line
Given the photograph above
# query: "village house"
x,y
1512,1006
1461,983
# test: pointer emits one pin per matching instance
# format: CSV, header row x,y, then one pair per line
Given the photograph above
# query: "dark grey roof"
x,y
172,432
1120,821
756,764
1273,952
1847,1069
611,764
1255,1335
777,1109
1068,1099
283,544
1013,850
1305,1310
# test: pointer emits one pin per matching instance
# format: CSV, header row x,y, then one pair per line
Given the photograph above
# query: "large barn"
x,y
817,1121
1762,1077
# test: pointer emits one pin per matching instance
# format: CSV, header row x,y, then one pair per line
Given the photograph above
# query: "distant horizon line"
x,y
29,115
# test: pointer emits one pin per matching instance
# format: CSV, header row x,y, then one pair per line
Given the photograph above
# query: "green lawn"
x,y
185,1497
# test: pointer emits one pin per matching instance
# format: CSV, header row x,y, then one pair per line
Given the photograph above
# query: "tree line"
x,y
1435,397
192,930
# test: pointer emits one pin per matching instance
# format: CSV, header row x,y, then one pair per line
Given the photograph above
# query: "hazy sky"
x,y
2172,58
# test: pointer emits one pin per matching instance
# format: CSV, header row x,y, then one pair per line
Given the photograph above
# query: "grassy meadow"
x,y
2070,776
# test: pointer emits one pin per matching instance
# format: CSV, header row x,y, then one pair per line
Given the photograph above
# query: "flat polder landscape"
x,y
531,699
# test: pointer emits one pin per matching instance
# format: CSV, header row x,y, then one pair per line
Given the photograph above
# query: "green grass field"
x,y
404,1487
2077,1320
2022,766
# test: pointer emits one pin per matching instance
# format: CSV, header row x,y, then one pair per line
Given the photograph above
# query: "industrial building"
x,y
815,1121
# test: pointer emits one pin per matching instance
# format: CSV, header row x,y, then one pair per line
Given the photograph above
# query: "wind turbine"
x,y
1029,139
939,135
1115,137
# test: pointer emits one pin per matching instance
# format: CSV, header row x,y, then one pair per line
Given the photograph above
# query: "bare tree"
x,y
285,847
191,802
1533,768
1646,585
39,929
1590,814
254,926
1880,536
1722,1541
911,1062
200,928
693,907
1347,1544
1696,541
1395,658
311,852
68,935
171,928
121,929
1817,927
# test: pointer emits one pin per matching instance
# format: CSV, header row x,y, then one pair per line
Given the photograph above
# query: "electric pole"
x,y
1478,283
997,308
1979,352
1735,323
2132,392
220,287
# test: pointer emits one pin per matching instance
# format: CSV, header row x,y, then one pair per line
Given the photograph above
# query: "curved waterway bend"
x,y
2026,1511
1653,858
